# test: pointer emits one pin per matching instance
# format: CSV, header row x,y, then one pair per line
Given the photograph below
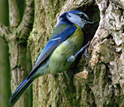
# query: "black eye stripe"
x,y
83,16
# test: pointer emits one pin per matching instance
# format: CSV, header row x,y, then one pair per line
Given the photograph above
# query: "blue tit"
x,y
61,50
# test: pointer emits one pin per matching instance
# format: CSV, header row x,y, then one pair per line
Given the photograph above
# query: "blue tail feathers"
x,y
19,91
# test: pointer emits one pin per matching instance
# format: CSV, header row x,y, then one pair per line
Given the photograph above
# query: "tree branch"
x,y
14,15
3,30
27,22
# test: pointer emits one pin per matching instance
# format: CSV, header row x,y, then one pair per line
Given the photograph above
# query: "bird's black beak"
x,y
88,22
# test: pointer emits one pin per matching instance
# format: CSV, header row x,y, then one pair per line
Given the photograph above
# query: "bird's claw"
x,y
86,54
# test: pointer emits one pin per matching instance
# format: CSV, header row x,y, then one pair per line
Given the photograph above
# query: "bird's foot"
x,y
73,57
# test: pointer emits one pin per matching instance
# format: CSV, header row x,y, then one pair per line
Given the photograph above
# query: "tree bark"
x,y
107,55
94,82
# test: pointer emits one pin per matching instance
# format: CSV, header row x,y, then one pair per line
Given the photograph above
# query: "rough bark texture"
x,y
94,82
108,55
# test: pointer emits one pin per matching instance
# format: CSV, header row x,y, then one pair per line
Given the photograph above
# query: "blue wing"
x,y
51,45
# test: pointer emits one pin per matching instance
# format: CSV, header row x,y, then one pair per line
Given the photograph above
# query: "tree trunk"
x,y
94,82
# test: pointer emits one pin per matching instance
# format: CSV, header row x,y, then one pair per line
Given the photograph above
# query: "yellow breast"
x,y
58,59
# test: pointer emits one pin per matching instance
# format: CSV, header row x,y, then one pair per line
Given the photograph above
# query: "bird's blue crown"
x,y
63,16
63,19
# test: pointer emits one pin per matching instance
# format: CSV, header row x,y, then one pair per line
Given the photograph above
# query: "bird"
x,y
61,50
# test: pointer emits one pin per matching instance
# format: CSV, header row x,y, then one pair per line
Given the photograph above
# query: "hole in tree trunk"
x,y
93,12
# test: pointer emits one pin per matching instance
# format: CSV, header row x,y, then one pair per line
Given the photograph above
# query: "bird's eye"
x,y
68,14
83,17
80,15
